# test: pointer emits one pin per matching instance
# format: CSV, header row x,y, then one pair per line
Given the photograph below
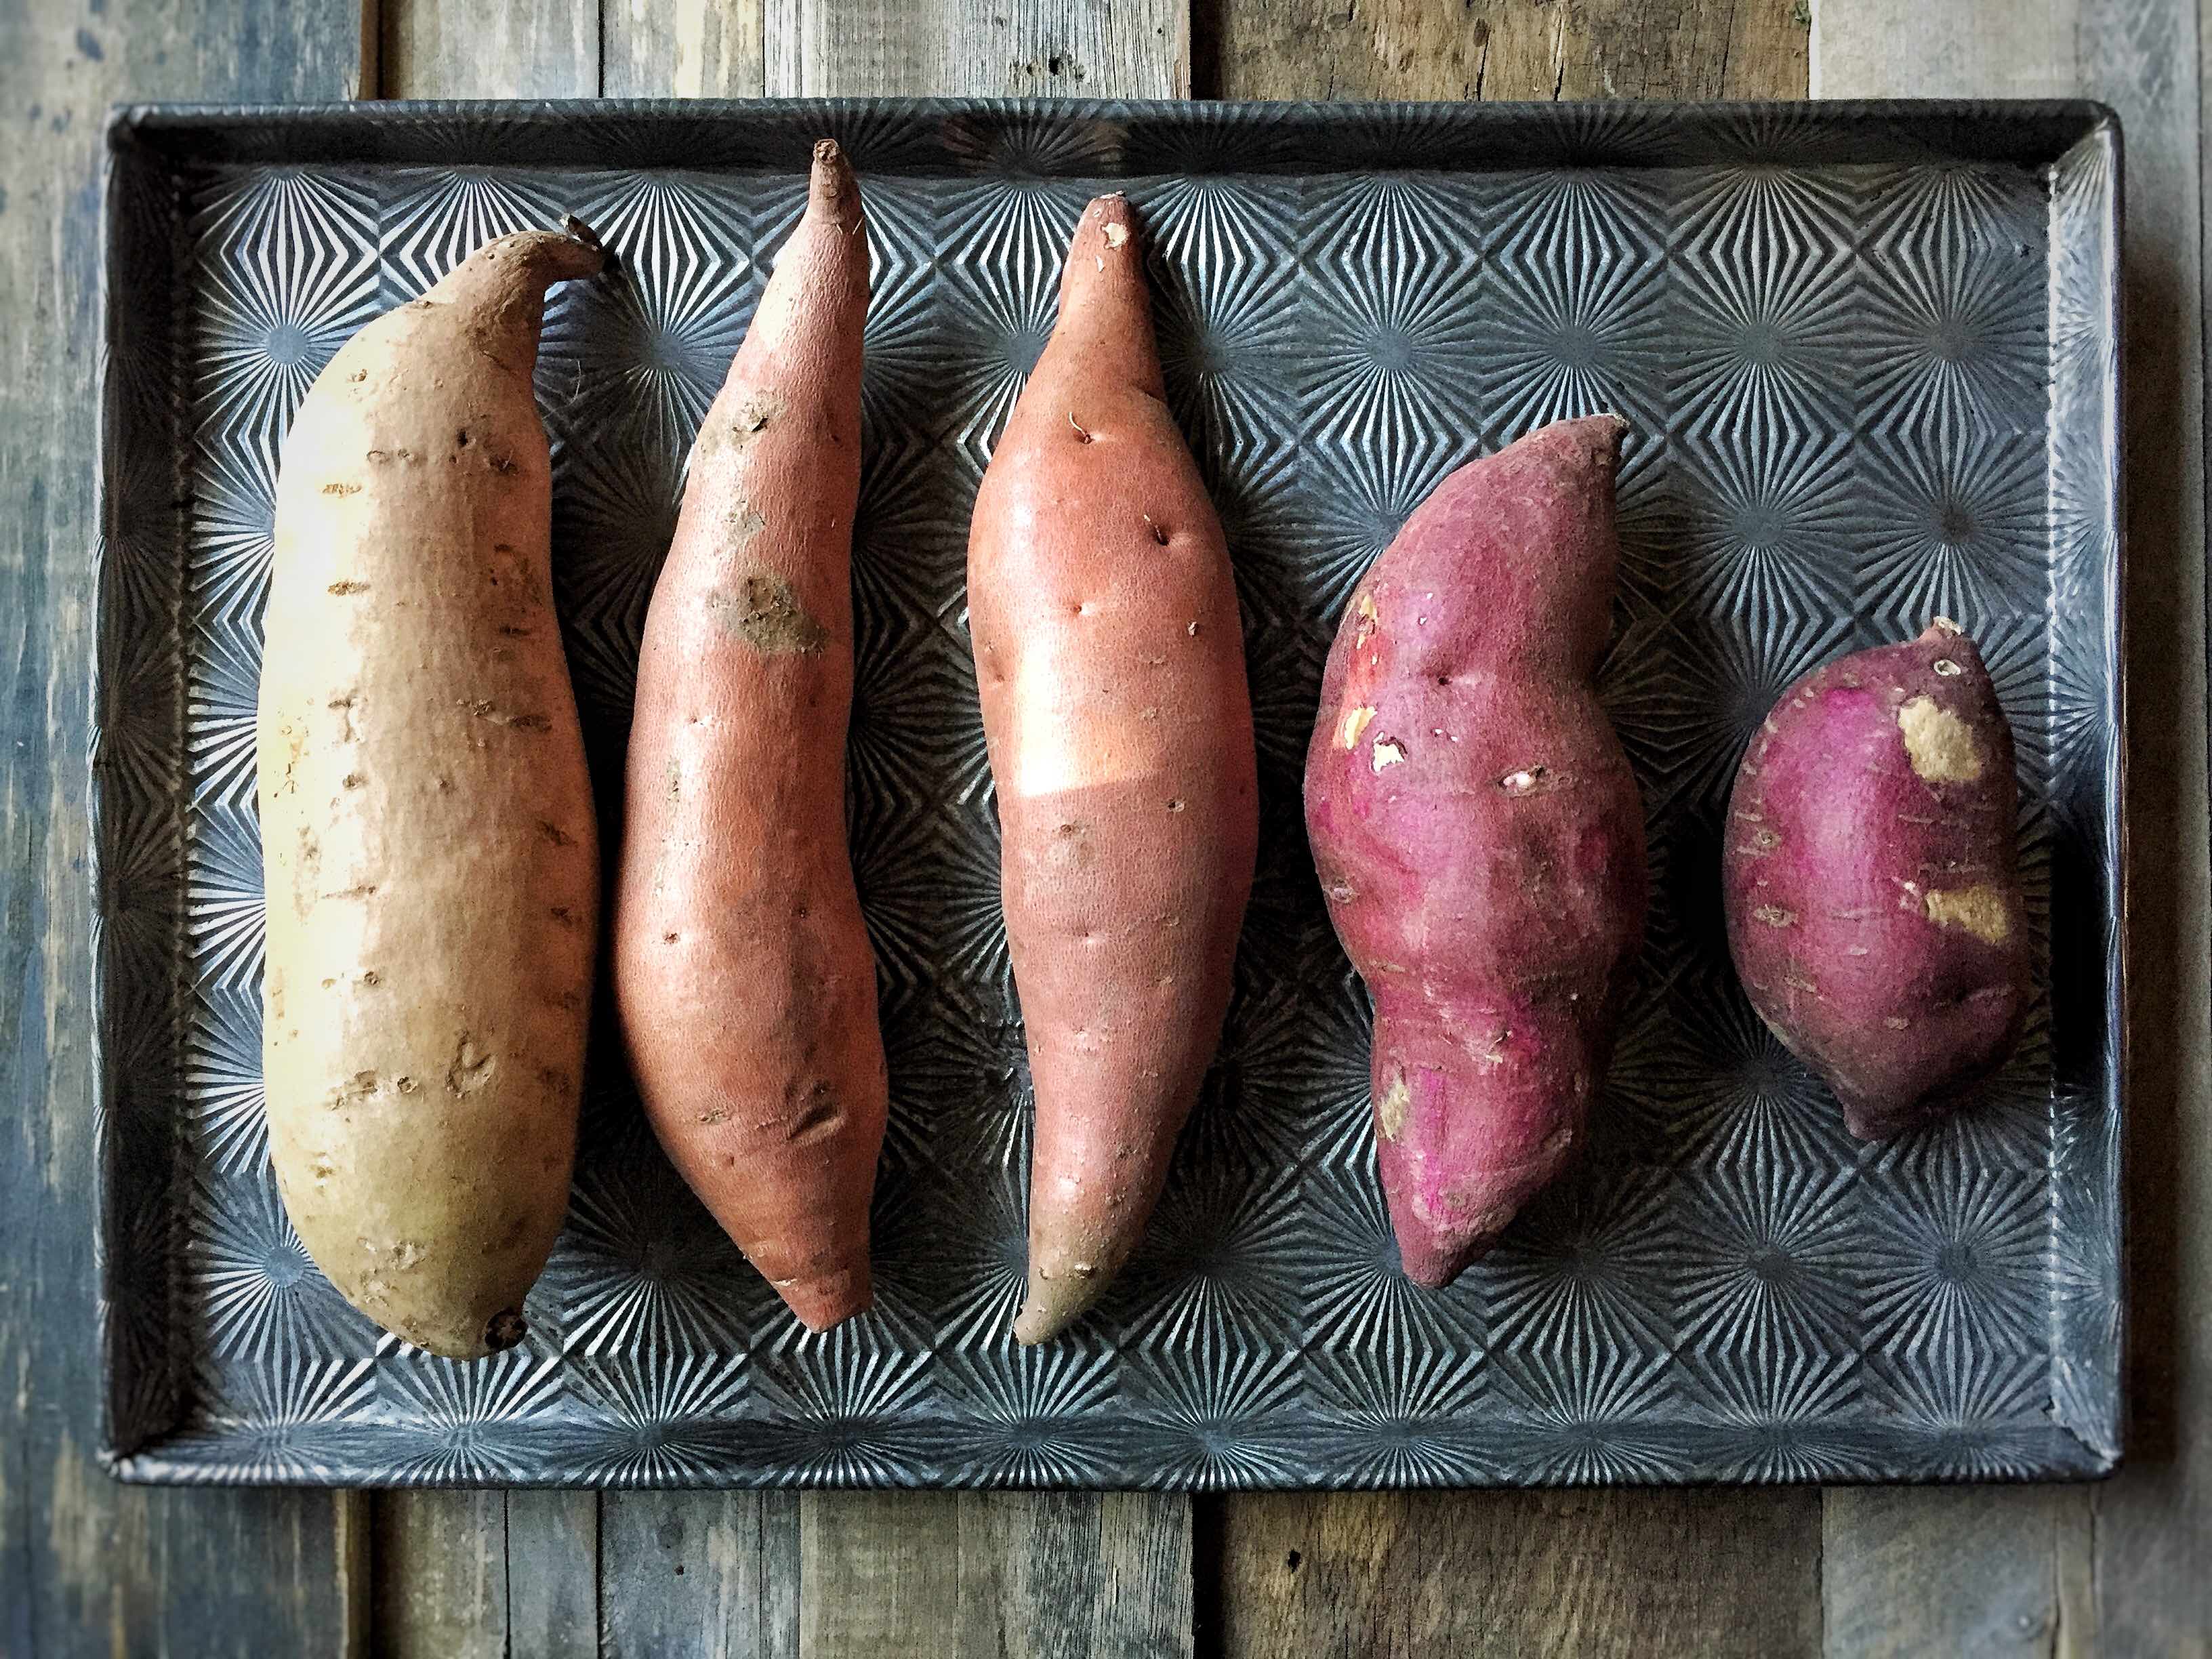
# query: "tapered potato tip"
x,y
1586,441
1434,1256
1052,1305
830,187
1107,250
830,1299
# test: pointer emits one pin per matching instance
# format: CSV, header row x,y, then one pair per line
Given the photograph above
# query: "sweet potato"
x,y
743,972
425,818
1479,835
1111,665
1873,892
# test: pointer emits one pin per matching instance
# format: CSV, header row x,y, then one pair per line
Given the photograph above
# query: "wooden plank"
x,y
1502,49
490,48
714,1574
440,1575
879,1573
87,1565
1041,48
1028,1559
2026,1560
553,1547
469,1573
1581,1573
1711,1573
1967,1570
682,48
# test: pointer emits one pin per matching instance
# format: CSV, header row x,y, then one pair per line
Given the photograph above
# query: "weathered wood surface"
x,y
87,1566
1570,1573
1497,49
2117,1570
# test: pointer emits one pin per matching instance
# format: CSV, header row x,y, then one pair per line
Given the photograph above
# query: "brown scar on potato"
x,y
1940,746
1982,911
748,418
767,615
1366,631
472,1069
1390,1111
1775,916
484,709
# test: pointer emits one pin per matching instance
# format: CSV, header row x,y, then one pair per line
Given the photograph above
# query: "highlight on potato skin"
x,y
429,850
1479,835
743,978
1110,657
1871,879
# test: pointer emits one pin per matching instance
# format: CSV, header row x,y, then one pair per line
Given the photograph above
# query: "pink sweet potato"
x,y
1111,668
743,972
1874,901
1479,835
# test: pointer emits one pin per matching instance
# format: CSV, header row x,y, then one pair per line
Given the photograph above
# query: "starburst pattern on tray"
x,y
1861,390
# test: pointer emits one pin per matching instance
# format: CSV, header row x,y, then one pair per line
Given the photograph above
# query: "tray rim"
x,y
165,134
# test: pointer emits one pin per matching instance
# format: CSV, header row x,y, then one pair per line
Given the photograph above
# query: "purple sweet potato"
x,y
1479,834
1874,901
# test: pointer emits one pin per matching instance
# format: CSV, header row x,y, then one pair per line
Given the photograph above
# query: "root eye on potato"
x,y
400,714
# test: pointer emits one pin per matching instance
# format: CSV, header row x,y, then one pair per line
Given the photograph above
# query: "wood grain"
x,y
1585,1574
1118,1560
1037,48
440,1575
553,1551
684,48
1502,48
714,1574
490,48
87,1566
2115,1571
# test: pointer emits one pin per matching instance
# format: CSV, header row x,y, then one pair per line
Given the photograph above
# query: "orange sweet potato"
x,y
1111,666
742,973
1479,835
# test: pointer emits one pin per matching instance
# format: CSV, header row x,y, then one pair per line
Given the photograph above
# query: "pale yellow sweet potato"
x,y
425,818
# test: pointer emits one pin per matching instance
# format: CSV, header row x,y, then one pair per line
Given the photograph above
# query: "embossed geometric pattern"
x,y
1868,356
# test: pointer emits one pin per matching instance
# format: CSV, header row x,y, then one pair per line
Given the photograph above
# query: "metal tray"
x,y
1870,356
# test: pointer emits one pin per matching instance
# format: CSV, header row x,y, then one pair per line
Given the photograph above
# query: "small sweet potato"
x,y
1479,835
427,833
1873,893
742,973
1111,666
